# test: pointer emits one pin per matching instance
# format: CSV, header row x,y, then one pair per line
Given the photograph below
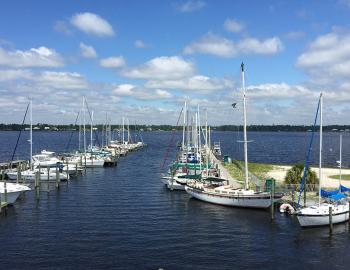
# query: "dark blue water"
x,y
123,218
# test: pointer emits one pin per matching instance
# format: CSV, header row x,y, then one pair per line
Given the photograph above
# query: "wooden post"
x,y
18,173
76,169
37,184
48,179
293,197
5,186
272,198
349,213
57,176
330,220
85,162
305,196
67,170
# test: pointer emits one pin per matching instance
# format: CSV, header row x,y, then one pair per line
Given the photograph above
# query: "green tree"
x,y
295,174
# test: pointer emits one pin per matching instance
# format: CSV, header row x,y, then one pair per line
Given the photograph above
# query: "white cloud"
x,y
92,24
197,83
61,80
234,26
87,51
162,68
327,58
254,46
191,5
212,44
222,47
14,74
34,57
141,93
139,44
112,62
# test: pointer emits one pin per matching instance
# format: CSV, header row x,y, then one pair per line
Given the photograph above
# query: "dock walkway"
x,y
224,173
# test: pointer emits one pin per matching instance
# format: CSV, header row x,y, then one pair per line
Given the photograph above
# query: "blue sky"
x,y
143,59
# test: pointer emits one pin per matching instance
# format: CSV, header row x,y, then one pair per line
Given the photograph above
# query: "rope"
x,y
71,135
20,132
171,141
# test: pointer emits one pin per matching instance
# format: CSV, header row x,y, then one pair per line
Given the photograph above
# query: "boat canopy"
x,y
190,176
191,166
344,189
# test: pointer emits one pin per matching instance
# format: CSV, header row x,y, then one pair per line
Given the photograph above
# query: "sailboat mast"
x,y
245,131
31,135
340,157
199,139
206,141
92,119
123,130
84,127
320,161
184,128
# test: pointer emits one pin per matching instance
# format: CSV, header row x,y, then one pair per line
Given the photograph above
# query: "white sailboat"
x,y
318,214
29,175
215,191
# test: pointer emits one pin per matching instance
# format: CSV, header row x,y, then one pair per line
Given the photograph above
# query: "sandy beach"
x,y
279,173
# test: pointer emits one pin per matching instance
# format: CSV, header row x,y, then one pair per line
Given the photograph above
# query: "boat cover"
x,y
337,197
327,194
344,189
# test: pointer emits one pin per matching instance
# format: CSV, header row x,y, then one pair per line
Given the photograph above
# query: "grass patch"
x,y
259,169
343,177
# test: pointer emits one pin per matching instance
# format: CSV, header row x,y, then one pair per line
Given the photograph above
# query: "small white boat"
x,y
29,175
13,191
318,215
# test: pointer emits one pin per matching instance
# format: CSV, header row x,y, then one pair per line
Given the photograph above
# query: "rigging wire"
x,y
20,132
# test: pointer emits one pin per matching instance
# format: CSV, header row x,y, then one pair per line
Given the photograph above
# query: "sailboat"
x,y
218,191
318,214
29,175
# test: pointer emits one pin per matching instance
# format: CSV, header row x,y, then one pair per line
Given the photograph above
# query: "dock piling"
x,y
272,199
48,179
330,220
57,176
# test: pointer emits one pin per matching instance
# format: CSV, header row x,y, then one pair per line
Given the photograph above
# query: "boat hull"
x,y
321,220
235,201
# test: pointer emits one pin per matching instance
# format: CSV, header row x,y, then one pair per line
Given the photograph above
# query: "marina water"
x,y
123,218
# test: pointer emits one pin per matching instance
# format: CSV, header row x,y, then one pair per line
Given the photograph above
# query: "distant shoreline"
x,y
258,128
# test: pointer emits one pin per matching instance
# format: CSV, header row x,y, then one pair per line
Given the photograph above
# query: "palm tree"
x,y
295,174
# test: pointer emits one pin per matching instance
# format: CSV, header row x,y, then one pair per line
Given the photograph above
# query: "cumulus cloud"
x,y
141,93
234,26
34,57
197,83
191,5
327,58
92,24
61,80
161,68
87,51
14,74
222,47
112,62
